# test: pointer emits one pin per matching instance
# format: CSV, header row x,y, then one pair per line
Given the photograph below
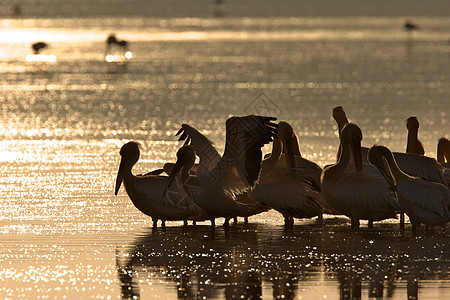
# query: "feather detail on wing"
x,y
204,147
362,192
176,199
427,195
240,165
424,167
290,198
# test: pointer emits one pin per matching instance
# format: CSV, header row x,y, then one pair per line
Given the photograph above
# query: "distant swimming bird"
x,y
409,26
37,47
359,194
238,169
146,191
112,41
420,166
423,201
413,146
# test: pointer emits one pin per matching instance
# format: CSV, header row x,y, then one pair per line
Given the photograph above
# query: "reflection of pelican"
x,y
146,191
423,201
238,169
413,146
358,194
420,166
286,189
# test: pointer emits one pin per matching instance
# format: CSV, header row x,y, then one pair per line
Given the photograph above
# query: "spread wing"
x,y
204,147
240,166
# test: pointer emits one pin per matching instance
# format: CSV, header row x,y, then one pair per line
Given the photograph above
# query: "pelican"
x,y
237,171
37,47
305,168
286,189
357,194
443,157
423,201
414,165
443,152
413,146
146,191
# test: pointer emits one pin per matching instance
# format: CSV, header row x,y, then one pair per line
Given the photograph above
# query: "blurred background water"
x,y
64,233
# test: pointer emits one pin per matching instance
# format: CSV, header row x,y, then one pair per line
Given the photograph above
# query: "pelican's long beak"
x,y
289,152
175,171
119,178
356,145
383,166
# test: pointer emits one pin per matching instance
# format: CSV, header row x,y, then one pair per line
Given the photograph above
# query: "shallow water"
x,y
64,233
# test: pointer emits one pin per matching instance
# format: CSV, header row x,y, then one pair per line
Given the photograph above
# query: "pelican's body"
x,y
356,194
443,157
215,190
146,191
424,167
423,201
285,188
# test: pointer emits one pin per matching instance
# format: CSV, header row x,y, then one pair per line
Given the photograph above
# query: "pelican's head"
x,y
443,150
377,156
130,155
412,123
185,161
352,135
339,116
286,135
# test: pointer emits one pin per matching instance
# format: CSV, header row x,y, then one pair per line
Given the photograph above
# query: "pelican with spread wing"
x,y
145,191
215,188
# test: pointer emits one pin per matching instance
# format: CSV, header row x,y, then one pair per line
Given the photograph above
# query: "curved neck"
x,y
339,167
269,163
443,152
296,146
395,170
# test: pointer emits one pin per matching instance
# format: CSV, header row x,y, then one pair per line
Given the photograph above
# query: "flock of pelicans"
x,y
364,184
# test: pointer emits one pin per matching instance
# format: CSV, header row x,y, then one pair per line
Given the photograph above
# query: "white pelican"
x,y
285,189
443,157
443,152
305,168
413,145
415,165
423,201
357,194
146,191
237,171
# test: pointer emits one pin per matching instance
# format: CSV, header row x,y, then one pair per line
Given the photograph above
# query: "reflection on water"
x,y
257,261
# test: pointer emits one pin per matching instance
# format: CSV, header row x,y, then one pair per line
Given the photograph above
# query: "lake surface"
x,y
63,233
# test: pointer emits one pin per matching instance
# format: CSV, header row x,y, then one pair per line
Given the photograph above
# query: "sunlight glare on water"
x,y
65,234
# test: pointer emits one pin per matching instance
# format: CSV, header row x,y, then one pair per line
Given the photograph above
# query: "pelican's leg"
x,y
370,224
402,221
355,223
185,223
286,221
246,220
227,222
194,223
320,219
163,223
213,222
291,222
235,220
155,223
